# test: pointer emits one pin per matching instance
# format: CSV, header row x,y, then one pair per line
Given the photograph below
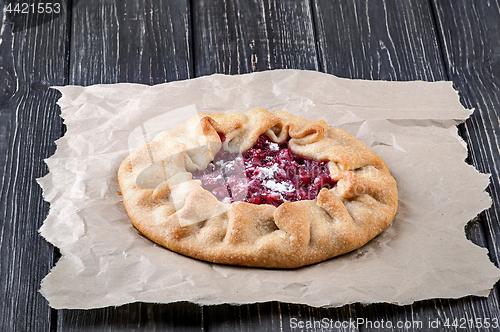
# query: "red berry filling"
x,y
268,173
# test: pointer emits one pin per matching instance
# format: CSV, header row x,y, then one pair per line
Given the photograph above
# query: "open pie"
x,y
264,189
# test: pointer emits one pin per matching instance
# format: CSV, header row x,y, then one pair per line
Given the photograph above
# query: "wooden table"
x,y
155,41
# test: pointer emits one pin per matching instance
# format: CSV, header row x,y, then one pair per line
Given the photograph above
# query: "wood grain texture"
x,y
7,88
237,37
180,316
378,40
38,58
144,41
393,40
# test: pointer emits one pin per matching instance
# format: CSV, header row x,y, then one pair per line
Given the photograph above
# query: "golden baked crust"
x,y
166,205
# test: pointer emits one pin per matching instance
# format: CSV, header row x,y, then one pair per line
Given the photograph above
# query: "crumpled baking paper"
x,y
411,125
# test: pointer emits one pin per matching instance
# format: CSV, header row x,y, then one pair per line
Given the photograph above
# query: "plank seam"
x,y
69,24
320,64
191,42
439,40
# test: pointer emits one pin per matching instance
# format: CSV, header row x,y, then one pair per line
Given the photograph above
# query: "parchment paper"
x,y
411,125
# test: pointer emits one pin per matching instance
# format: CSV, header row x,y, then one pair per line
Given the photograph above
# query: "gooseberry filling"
x,y
268,173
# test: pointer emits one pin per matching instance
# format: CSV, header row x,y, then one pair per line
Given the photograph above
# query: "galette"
x,y
262,189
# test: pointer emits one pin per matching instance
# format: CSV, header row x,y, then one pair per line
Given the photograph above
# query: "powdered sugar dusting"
x,y
280,187
274,146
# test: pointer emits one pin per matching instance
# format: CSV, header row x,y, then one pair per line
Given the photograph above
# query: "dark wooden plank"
x,y
393,40
141,42
378,40
134,317
237,37
31,60
130,41
7,89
